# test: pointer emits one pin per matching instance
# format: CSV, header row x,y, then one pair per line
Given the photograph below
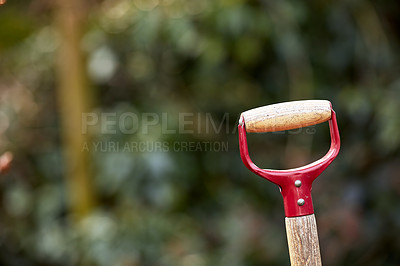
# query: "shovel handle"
x,y
303,242
286,116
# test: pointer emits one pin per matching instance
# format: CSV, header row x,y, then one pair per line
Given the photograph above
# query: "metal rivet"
x,y
297,183
300,202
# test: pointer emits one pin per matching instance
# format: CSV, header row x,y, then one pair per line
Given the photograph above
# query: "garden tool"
x,y
294,184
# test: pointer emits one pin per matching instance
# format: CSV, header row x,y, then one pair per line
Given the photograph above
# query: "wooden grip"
x,y
302,236
286,116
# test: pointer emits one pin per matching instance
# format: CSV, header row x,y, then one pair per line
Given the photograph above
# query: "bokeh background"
x,y
62,205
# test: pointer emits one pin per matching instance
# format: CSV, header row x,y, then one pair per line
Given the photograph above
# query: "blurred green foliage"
x,y
217,57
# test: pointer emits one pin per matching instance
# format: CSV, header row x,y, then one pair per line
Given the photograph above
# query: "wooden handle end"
x,y
286,116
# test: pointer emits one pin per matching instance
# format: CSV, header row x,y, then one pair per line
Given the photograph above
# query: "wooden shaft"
x,y
302,236
288,115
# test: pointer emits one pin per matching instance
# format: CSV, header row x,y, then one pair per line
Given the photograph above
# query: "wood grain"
x,y
286,116
302,236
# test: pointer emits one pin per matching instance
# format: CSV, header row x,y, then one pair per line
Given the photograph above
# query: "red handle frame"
x,y
286,179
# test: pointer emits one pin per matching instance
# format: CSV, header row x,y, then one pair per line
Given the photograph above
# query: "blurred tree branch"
x,y
74,99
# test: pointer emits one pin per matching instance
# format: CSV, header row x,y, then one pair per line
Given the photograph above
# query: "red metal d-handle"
x,y
295,184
